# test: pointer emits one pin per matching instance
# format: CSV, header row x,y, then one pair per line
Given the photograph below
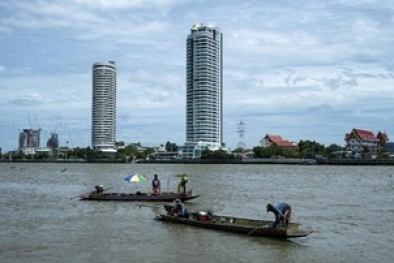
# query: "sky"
x,y
304,70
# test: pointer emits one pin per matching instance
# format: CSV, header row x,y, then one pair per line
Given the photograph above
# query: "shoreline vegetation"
x,y
290,161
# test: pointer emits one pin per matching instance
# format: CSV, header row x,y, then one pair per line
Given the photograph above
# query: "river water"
x,y
350,209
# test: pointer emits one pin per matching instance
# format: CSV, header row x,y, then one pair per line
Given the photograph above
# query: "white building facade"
x,y
104,106
204,86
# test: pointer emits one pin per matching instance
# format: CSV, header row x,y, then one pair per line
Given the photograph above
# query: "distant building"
x,y
204,86
53,142
104,106
44,150
164,155
29,139
193,150
361,141
276,140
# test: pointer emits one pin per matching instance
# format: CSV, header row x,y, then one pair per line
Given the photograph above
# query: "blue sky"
x,y
300,69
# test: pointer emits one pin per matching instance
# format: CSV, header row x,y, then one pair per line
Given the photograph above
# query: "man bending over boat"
x,y
156,188
282,213
179,209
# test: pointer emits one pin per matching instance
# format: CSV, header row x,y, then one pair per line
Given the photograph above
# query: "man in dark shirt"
x,y
156,187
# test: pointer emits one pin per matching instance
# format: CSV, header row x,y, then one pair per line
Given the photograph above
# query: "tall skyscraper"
x,y
204,86
104,106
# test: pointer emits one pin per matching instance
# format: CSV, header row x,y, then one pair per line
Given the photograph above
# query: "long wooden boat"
x,y
138,196
251,227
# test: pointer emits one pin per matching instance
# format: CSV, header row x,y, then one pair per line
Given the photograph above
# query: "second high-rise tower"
x,y
204,86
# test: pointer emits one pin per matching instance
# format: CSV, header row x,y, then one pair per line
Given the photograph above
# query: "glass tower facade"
x,y
204,86
104,106
29,138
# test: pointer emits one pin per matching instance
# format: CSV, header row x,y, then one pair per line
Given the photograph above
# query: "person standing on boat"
x,y
182,183
156,187
282,213
179,209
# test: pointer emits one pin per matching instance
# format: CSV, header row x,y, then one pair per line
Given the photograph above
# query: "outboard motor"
x,y
99,188
210,214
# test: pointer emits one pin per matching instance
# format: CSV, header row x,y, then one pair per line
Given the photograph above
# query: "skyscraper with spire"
x,y
104,106
204,86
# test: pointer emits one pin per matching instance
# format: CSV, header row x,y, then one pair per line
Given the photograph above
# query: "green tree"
x,y
383,153
171,147
42,156
332,148
218,154
239,150
119,143
308,149
265,152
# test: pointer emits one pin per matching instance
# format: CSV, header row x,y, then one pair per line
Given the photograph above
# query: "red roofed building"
x,y
359,141
276,140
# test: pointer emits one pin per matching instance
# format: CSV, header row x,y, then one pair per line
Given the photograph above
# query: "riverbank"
x,y
173,161
356,161
223,161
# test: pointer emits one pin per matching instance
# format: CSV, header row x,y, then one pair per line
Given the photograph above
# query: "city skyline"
x,y
309,70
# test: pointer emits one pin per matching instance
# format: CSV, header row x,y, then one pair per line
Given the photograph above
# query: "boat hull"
x,y
137,197
251,227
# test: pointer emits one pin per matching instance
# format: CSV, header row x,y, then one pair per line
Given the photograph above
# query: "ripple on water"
x,y
349,209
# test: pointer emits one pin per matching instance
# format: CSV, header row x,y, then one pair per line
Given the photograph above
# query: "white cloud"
x,y
128,4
